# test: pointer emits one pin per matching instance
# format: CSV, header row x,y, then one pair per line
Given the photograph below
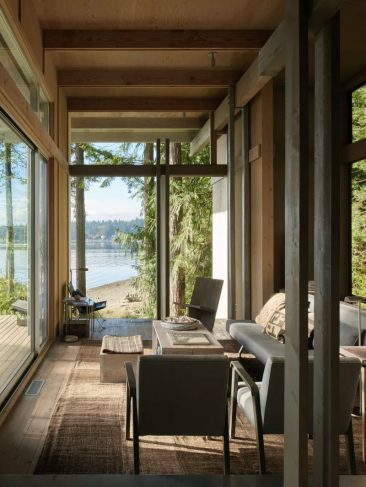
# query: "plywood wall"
x,y
262,198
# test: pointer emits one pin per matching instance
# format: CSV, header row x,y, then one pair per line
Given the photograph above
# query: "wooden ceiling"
x,y
132,55
156,50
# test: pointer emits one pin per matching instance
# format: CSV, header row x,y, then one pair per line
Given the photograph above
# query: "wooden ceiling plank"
x,y
135,123
214,39
141,104
146,78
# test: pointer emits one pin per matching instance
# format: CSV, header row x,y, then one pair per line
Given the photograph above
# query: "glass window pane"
x,y
15,254
113,236
359,228
124,153
359,114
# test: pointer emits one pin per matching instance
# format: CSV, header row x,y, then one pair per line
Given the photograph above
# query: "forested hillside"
x,y
107,229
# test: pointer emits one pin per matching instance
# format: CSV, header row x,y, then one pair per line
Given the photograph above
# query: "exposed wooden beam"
x,y
326,254
111,104
135,136
322,12
145,78
270,61
201,139
296,248
107,123
217,40
354,152
271,58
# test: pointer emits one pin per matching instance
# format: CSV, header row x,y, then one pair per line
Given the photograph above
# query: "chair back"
x,y
182,395
272,393
206,293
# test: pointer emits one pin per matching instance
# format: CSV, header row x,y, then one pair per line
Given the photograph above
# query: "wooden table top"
x,y
167,346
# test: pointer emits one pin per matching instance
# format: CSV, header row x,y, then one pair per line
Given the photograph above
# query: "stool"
x,y
115,352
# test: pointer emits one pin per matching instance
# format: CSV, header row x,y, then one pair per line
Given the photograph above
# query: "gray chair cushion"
x,y
271,393
182,394
254,341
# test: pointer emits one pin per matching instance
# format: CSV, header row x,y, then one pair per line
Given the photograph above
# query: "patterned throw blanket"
x,y
115,344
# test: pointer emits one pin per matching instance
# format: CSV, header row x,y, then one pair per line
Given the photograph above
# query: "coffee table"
x,y
162,343
360,354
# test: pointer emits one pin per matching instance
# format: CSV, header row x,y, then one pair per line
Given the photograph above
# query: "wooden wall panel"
x,y
32,30
279,187
262,203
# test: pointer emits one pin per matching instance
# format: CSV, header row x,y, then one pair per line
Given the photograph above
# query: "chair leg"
x,y
226,446
136,452
234,403
259,435
128,414
261,454
351,458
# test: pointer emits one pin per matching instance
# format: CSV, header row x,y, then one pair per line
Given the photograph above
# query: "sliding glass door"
x,y
16,347
23,255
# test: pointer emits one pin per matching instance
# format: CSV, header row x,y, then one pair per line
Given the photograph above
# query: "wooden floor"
x,y
15,346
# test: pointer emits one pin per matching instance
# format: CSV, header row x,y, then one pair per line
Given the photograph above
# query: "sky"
x,y
111,203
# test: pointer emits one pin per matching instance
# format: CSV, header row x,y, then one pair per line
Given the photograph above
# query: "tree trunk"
x,y
177,278
9,220
80,224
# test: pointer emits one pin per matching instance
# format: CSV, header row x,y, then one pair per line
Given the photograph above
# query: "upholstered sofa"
x,y
249,334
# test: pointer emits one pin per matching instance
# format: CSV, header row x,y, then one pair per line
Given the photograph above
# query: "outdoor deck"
x,y
15,345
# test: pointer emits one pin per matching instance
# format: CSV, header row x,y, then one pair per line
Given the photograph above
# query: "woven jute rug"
x,y
86,435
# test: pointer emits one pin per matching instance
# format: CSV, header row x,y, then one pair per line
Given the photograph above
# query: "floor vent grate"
x,y
34,388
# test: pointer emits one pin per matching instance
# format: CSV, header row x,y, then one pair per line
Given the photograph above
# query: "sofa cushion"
x,y
275,328
252,338
275,303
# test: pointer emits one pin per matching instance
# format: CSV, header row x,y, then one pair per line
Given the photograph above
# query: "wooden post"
x,y
246,237
158,233
326,255
231,205
296,260
213,140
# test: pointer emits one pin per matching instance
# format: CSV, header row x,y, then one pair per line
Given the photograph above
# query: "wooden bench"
x,y
115,351
20,306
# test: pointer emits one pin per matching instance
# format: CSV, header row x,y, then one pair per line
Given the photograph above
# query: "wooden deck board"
x,y
15,347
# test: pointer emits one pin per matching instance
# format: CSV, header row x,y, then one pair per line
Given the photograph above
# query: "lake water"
x,y
107,262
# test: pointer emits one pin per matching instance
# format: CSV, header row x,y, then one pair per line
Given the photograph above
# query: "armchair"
x,y
178,395
205,300
263,403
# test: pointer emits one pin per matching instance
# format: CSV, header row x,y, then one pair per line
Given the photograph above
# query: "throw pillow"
x,y
276,302
276,326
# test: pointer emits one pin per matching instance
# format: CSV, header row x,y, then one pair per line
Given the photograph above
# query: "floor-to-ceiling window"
x,y
358,192
141,224
23,254
16,347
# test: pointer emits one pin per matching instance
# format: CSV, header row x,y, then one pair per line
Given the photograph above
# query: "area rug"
x,y
86,435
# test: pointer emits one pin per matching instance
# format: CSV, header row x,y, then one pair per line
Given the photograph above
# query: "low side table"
x,y
360,354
